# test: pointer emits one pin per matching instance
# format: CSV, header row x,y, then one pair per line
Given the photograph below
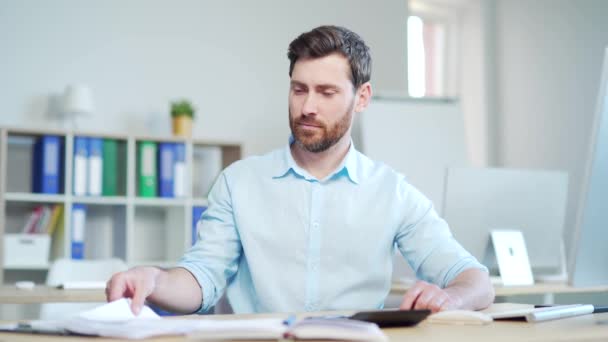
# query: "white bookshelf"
x,y
159,202
34,198
25,267
139,230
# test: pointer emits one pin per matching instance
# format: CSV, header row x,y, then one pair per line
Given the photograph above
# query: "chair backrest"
x,y
67,270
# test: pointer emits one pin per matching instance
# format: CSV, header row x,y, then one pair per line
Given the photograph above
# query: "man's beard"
x,y
329,135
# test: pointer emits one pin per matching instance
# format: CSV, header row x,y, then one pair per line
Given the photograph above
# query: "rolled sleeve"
x,y
425,241
204,280
214,257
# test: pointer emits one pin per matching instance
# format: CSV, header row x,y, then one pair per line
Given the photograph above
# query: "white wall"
x,y
229,57
549,56
474,86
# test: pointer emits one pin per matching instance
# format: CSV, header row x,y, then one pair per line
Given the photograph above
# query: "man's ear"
x,y
364,96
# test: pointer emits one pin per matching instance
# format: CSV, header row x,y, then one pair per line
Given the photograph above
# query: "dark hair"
x,y
325,40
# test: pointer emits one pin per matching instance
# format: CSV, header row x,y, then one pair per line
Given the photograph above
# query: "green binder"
x,y
110,168
146,168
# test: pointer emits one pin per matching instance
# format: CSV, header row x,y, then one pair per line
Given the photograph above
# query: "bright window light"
x,y
416,67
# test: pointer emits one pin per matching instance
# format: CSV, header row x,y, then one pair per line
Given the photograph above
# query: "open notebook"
x,y
115,319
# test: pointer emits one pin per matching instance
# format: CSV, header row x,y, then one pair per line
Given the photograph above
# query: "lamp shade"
x,y
77,100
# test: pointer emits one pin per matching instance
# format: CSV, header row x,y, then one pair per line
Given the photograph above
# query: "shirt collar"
x,y
347,167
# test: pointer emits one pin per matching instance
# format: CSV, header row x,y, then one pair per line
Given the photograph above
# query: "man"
x,y
313,226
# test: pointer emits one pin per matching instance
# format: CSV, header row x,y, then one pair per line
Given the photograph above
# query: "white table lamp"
x,y
77,101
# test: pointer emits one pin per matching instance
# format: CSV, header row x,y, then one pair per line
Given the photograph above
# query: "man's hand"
x,y
469,290
424,295
137,283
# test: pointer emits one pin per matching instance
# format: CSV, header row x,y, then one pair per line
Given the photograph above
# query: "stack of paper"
x,y
117,320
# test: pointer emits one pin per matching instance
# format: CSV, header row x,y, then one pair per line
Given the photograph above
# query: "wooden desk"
x,y
548,290
581,328
44,294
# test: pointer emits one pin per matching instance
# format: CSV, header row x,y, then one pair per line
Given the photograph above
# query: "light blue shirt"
x,y
280,240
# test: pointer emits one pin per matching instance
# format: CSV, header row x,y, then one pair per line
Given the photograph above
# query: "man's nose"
x,y
310,105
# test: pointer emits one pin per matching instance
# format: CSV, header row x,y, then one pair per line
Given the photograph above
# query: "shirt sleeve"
x,y
214,257
425,241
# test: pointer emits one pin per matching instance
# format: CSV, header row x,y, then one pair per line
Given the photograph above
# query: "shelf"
x,y
32,197
17,267
201,202
159,263
159,202
138,230
101,200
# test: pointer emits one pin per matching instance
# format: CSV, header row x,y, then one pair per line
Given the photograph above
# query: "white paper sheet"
x,y
116,320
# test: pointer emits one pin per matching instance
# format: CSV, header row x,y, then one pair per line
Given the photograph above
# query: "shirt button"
x,y
315,224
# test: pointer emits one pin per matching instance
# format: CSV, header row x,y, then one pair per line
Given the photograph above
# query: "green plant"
x,y
182,108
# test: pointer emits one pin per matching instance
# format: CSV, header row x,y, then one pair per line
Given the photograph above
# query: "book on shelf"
x,y
179,170
46,165
55,219
110,168
197,212
80,173
79,214
32,221
45,216
146,169
43,219
208,165
95,167
165,162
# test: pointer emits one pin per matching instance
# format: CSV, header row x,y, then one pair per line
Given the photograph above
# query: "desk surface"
x,y
581,328
400,288
44,294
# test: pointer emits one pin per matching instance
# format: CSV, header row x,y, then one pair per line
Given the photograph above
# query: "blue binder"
x,y
79,217
179,170
46,173
197,212
95,167
166,157
80,170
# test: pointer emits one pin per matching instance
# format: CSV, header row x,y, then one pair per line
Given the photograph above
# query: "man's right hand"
x,y
137,283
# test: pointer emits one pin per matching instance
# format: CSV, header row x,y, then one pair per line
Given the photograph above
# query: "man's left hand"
x,y
424,295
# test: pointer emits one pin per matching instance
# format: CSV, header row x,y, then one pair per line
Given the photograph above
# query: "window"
x,y
426,57
431,70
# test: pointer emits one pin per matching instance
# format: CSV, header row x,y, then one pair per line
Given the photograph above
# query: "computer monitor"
x,y
479,200
589,257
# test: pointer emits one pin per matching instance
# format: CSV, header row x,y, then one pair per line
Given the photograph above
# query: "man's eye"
x,y
329,93
298,91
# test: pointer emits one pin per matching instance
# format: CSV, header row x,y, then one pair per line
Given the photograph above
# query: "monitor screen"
x,y
480,200
589,257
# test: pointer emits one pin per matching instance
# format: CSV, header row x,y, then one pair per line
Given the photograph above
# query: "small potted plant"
x,y
182,114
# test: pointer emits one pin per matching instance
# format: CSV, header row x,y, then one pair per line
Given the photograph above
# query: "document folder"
x,y
47,165
146,168
81,156
79,215
165,169
95,166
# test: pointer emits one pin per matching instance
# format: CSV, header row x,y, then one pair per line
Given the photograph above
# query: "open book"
x,y
115,319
